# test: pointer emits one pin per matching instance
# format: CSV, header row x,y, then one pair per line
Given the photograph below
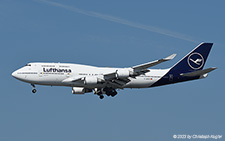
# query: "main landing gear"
x,y
33,90
99,92
101,96
108,91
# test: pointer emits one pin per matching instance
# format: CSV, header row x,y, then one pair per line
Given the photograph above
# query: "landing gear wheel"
x,y
101,96
34,91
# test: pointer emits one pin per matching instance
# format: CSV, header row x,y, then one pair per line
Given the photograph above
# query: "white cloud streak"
x,y
122,21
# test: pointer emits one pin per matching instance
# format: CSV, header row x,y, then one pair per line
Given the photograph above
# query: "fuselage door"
x,y
40,72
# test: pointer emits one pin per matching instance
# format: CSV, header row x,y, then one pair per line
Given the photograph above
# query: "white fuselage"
x,y
102,80
56,74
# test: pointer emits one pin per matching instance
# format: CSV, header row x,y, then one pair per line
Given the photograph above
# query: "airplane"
x,y
105,81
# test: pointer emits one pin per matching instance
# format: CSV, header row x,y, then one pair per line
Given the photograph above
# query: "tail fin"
x,y
195,60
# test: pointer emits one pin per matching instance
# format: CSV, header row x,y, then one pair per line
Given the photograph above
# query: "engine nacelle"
x,y
79,90
90,80
122,73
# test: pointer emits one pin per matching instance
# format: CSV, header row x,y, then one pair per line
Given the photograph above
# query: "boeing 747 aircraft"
x,y
105,81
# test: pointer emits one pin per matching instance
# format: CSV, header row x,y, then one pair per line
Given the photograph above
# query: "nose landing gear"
x,y
33,90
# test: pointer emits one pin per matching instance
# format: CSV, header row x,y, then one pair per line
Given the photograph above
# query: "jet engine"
x,y
90,80
122,73
80,90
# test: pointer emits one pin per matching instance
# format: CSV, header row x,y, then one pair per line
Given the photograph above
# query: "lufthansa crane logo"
x,y
195,60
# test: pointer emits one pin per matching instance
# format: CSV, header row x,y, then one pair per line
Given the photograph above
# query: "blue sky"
x,y
116,34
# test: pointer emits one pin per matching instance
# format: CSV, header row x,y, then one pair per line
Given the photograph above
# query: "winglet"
x,y
170,57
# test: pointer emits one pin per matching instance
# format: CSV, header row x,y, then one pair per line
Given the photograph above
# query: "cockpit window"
x,y
28,64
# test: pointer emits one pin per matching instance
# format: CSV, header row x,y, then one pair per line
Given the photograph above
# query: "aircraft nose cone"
x,y
14,74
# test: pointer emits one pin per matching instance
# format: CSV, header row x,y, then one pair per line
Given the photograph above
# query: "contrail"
x,y
122,21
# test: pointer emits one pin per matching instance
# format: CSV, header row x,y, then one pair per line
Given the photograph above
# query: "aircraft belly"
x,y
147,80
142,82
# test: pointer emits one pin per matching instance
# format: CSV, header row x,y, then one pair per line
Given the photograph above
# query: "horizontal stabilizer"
x,y
198,73
153,63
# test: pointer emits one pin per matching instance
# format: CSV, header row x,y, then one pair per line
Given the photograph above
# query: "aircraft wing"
x,y
113,79
117,83
110,76
73,79
153,63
